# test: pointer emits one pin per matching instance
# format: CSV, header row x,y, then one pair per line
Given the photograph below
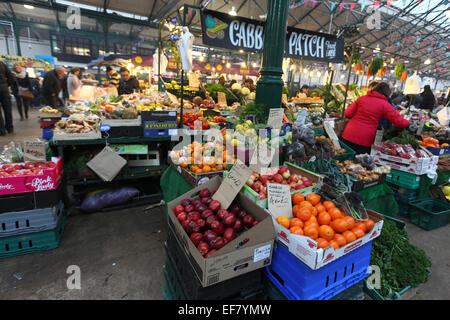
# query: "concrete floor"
x,y
121,254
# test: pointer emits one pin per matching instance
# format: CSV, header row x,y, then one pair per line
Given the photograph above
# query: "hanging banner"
x,y
236,33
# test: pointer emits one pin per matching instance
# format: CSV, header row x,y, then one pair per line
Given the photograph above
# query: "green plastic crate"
x,y
32,242
348,155
429,213
319,131
404,198
403,179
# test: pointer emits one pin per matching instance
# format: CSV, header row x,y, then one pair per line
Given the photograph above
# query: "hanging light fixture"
x,y
201,58
232,12
428,61
243,64
228,65
254,64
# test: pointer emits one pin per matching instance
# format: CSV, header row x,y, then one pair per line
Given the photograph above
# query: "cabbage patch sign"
x,y
237,33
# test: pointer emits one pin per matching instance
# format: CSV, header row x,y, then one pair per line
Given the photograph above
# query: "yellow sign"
x,y
138,59
219,67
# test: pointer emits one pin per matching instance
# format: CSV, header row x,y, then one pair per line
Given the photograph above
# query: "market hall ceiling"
x,y
424,20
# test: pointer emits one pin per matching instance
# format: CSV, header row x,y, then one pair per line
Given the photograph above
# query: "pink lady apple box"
x,y
48,179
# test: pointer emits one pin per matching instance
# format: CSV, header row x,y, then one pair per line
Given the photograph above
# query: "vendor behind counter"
x,y
128,84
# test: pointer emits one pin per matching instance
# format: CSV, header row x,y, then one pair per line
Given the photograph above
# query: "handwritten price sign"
x,y
34,151
279,200
232,184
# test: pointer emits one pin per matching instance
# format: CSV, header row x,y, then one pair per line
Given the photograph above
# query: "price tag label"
x,y
232,184
34,151
275,120
194,81
331,134
421,125
284,98
261,158
279,200
222,98
301,117
172,98
378,137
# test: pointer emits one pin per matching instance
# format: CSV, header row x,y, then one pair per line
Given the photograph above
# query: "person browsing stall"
x,y
52,86
22,84
128,83
113,76
365,114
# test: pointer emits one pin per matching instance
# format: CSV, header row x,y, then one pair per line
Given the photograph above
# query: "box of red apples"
x,y
30,177
221,243
300,180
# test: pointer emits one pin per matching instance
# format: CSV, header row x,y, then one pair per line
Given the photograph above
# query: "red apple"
x,y
308,183
286,174
300,186
263,179
294,178
278,178
282,170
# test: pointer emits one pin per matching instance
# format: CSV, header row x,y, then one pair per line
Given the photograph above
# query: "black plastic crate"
x,y
124,131
31,200
244,287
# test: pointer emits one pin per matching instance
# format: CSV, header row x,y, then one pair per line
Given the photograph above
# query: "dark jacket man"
x,y
6,80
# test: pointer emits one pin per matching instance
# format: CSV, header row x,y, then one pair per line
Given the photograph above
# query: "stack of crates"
x,y
407,187
31,222
47,126
183,284
294,280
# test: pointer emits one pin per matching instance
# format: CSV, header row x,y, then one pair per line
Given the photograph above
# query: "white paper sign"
x,y
34,151
194,81
232,184
331,134
279,199
420,129
262,253
275,120
262,157
301,117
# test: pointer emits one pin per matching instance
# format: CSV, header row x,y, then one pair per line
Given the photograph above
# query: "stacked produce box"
x,y
31,207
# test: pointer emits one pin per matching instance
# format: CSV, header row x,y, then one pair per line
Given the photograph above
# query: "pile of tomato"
x,y
190,117
323,222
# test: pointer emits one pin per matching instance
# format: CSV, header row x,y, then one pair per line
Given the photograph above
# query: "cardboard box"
x,y
306,249
417,166
43,115
228,262
48,180
123,122
316,178
196,179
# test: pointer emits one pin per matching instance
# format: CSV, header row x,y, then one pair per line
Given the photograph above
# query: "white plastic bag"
x,y
444,116
185,49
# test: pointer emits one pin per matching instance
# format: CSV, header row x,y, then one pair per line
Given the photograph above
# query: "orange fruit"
x,y
304,214
312,224
349,236
339,225
295,209
306,204
296,222
350,221
298,198
313,198
361,225
284,221
333,244
297,230
358,232
311,232
340,239
335,213
322,243
326,232
324,218
206,168
320,208
314,211
369,224
328,205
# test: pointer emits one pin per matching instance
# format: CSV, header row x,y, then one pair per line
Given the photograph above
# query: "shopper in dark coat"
x,y
52,86
428,99
128,84
22,83
6,80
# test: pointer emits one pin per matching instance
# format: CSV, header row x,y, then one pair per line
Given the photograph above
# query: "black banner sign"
x,y
237,33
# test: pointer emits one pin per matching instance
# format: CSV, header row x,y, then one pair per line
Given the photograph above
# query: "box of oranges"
x,y
319,231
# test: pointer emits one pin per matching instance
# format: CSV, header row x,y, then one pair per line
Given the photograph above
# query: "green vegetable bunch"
x,y
375,65
253,109
399,70
401,264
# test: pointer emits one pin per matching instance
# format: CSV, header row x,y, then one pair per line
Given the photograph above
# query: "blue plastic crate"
x,y
47,133
297,281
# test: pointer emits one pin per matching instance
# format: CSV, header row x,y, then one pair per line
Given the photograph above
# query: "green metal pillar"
x,y
17,37
270,85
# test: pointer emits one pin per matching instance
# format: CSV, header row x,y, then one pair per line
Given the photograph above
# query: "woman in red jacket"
x,y
365,114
